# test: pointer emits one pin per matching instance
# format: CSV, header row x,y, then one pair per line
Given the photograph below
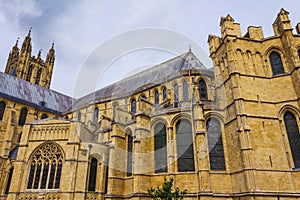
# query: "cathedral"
x,y
226,133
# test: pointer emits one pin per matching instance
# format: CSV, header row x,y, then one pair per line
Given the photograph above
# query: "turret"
x,y
228,27
282,22
26,46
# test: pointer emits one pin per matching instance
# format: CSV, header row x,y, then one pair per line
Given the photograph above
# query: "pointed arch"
x,y
184,143
202,90
2,109
129,139
292,131
133,106
160,148
164,91
176,92
215,144
23,116
96,115
45,167
185,90
92,174
38,76
29,73
156,97
276,63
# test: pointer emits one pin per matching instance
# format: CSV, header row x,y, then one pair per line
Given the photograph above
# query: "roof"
x,y
34,95
161,73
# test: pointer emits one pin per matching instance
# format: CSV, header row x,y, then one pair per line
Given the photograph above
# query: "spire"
x,y
15,49
26,46
39,55
50,56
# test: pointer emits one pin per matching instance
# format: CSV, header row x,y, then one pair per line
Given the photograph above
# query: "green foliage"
x,y
166,191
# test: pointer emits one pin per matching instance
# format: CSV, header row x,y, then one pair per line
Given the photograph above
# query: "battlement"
x,y
231,29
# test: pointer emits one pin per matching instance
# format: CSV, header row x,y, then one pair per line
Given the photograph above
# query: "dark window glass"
x,y
215,145
79,116
299,53
133,106
9,180
38,76
129,153
160,148
185,91
176,97
165,94
29,73
45,175
156,96
23,116
293,136
96,113
45,168
44,116
185,149
144,97
276,63
93,175
202,90
2,109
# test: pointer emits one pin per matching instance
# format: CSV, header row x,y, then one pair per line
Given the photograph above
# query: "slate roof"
x,y
30,94
161,73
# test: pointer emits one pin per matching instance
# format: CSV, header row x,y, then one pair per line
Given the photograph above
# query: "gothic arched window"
x,y
93,175
79,116
2,109
160,148
45,167
165,94
202,90
276,63
176,96
299,53
22,118
29,73
129,153
96,114
185,90
185,149
38,76
133,106
9,180
44,116
156,97
293,136
215,145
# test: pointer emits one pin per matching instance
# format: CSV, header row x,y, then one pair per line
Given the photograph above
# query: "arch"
x,y
185,90
44,116
38,76
143,96
176,92
96,115
202,90
179,116
2,109
286,108
129,140
160,148
92,174
133,106
45,167
156,97
79,116
29,73
164,92
292,131
276,63
9,179
23,116
215,144
157,120
185,147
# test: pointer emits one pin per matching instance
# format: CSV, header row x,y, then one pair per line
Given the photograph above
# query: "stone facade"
x,y
231,132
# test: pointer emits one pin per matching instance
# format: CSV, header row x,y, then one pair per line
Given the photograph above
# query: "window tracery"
x,y
45,168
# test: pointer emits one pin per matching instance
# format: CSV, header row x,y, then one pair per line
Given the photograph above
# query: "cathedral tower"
x,y
22,64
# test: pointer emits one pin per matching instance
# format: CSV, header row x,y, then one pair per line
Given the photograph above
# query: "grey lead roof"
x,y
33,95
178,66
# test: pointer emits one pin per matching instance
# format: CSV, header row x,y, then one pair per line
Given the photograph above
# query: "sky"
x,y
121,37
